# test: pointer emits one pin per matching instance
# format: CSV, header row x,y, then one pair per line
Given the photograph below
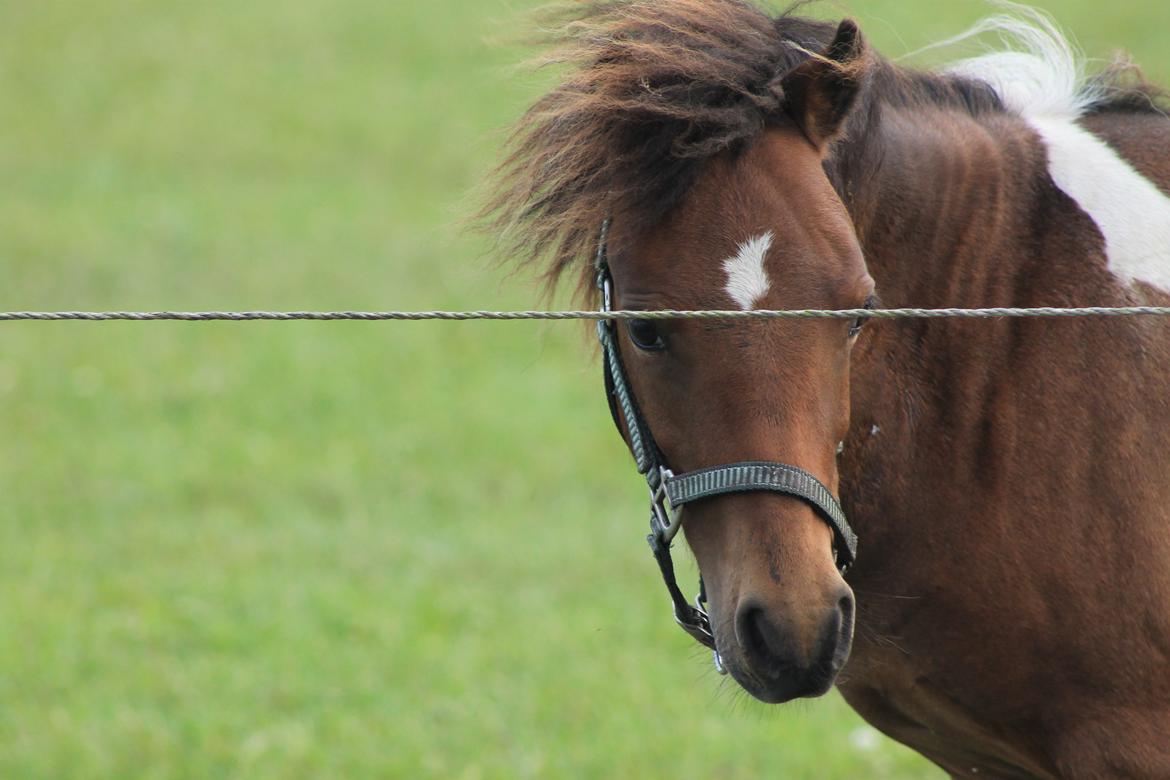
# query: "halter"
x,y
670,492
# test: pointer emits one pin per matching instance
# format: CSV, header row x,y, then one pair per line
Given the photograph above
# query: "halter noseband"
x,y
670,492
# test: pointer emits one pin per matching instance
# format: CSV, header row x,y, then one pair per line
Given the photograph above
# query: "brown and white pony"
x,y
1009,480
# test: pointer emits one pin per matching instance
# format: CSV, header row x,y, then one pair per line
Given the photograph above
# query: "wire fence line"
x,y
669,314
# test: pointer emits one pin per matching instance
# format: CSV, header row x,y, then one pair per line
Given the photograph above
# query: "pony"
x,y
1008,614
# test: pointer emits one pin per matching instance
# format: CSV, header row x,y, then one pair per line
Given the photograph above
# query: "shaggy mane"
x,y
655,88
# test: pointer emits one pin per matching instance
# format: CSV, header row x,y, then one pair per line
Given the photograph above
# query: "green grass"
x,y
331,550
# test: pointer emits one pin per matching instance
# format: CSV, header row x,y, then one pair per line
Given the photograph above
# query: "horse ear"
x,y
820,92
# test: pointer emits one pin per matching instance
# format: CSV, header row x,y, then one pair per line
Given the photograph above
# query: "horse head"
x,y
760,227
699,131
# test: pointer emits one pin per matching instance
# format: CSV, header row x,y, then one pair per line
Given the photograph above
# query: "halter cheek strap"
x,y
669,492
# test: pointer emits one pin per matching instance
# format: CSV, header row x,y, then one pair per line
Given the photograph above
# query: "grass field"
x,y
332,550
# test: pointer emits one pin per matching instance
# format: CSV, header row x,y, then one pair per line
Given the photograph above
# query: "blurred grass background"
x,y
332,550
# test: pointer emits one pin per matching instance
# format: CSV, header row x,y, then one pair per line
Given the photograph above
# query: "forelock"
x,y
652,91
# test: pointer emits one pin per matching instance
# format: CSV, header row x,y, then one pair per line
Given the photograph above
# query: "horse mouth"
x,y
784,688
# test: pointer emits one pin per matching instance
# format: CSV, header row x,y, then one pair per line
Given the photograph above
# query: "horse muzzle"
x,y
778,655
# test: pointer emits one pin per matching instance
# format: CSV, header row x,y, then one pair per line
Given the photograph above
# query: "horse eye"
x,y
859,323
645,335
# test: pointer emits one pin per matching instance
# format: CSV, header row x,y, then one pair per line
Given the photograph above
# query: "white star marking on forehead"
x,y
747,280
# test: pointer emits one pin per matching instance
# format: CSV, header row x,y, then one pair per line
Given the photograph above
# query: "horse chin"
x,y
782,690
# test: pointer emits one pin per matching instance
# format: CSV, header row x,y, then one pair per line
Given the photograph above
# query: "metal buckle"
x,y
701,608
664,522
698,625
605,284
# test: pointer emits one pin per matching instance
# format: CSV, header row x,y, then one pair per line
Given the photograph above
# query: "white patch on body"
x,y
1042,79
1132,214
747,279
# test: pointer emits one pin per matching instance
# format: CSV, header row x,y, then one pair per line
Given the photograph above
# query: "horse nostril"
x,y
756,634
840,641
845,606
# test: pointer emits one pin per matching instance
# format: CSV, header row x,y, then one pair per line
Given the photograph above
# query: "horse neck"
x,y
949,211
943,202
991,464
955,210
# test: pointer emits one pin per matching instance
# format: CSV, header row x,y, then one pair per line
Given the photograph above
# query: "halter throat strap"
x,y
670,492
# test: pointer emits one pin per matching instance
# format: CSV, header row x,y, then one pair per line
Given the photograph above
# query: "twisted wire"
x,y
669,314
